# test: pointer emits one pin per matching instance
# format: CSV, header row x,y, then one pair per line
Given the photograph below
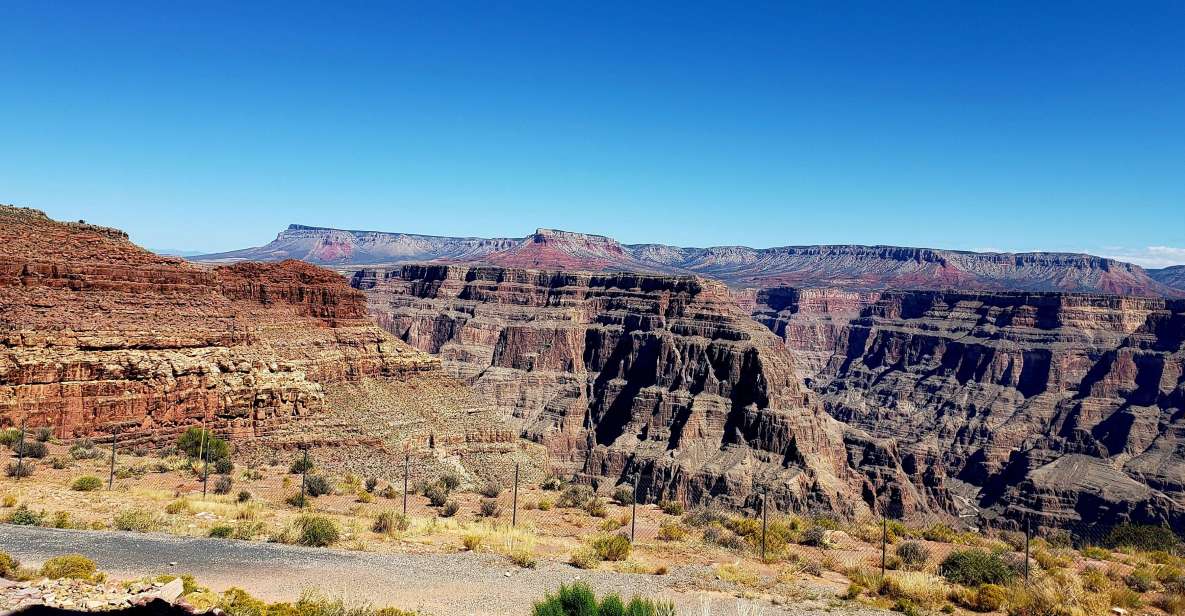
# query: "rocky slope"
x,y
1068,409
854,268
1170,276
625,373
98,335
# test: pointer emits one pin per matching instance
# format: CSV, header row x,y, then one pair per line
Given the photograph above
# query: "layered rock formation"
x,y
853,268
1170,276
1066,409
98,335
620,374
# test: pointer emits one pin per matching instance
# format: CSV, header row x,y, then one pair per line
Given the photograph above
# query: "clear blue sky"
x,y
974,125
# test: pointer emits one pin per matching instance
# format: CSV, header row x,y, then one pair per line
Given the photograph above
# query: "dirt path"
x,y
441,585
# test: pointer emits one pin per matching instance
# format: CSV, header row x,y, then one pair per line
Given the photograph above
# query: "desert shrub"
x,y
437,495
223,466
138,520
301,465
1054,595
8,565
450,481
1141,579
35,449
596,508
523,558
222,531
1095,552
721,536
815,536
86,483
612,524
387,522
1095,580
365,497
920,589
317,485
84,450
990,598
244,496
577,599
371,484
199,443
611,547
450,509
390,492
1142,537
472,541
940,533
976,567
316,531
624,495
913,555
489,508
17,470
43,434
671,507
552,483
297,500
223,484
59,462
23,516
237,602
73,566
704,516
490,489
584,558
1172,602
671,531
10,437
1125,598
574,497
545,504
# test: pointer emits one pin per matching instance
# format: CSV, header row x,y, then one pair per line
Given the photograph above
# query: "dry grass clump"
x,y
138,520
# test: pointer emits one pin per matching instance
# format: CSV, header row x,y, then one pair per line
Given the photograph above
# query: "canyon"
x,y
99,337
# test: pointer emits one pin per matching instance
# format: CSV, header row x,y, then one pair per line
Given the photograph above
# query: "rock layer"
x,y
98,335
619,374
1065,409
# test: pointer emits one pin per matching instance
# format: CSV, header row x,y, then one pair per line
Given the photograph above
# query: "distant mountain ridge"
x,y
852,267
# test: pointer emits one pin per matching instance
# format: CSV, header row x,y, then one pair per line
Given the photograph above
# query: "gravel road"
x,y
461,584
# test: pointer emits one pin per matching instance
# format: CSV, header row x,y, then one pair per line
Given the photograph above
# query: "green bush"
x,y
223,484
449,509
84,450
43,434
624,495
371,484
86,483
222,531
317,531
437,495
301,465
579,600
612,547
244,496
10,437
450,481
223,466
317,485
73,566
815,536
671,507
913,555
977,567
574,497
23,516
490,508
1142,537
199,444
596,508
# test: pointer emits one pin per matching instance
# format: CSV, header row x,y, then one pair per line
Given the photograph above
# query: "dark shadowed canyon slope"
x,y
630,373
858,268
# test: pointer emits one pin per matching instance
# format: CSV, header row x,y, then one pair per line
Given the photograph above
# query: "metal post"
x,y
884,543
20,452
304,477
1028,534
406,468
634,511
206,472
764,520
514,501
111,475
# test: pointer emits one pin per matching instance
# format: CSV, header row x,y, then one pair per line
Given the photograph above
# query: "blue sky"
x,y
994,125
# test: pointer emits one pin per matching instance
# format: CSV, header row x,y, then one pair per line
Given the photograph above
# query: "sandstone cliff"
x,y
624,373
98,335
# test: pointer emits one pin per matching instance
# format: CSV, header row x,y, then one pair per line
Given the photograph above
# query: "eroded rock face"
x,y
1069,409
98,335
624,373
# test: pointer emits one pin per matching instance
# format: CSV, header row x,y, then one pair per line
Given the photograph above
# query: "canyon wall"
x,y
1064,409
618,374
99,336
